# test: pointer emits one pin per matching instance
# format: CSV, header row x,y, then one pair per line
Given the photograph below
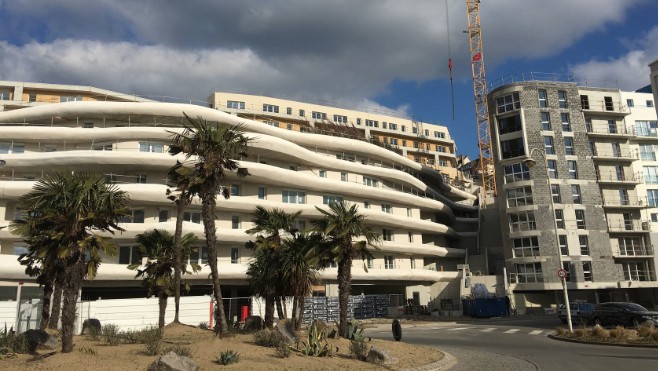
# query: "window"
x,y
100,147
262,193
235,189
546,121
580,219
548,146
5,94
623,197
567,267
289,126
552,169
619,172
646,128
235,222
609,106
302,113
524,247
587,271
372,123
387,234
509,124
441,149
346,157
584,101
412,262
134,216
234,104
564,247
289,111
543,98
387,208
271,123
270,108
340,119
508,103
323,173
512,148
568,146
163,216
319,115
403,128
583,241
438,134
612,127
652,197
389,263
343,177
654,217
366,205
293,197
562,98
198,255
20,250
327,199
153,147
88,125
636,271
70,98
369,262
566,123
647,152
529,273
630,103
235,255
519,197
555,193
415,130
559,218
411,237
575,194
573,169
650,174
516,172
130,255
649,103
392,126
293,167
409,212
11,147
371,182
524,221
194,217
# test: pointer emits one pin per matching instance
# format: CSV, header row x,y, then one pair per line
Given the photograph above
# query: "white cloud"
x,y
629,71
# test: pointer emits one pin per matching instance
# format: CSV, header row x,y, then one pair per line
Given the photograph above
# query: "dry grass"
x,y
645,334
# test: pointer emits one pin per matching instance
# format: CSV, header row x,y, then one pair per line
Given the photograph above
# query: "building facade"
x,y
428,226
569,194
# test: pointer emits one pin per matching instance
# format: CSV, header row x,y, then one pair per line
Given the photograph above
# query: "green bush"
x,y
179,349
203,325
645,330
227,358
112,334
283,350
560,331
359,349
269,338
152,339
87,350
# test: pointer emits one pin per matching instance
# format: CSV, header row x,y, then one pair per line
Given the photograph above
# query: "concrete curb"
x,y
444,363
627,345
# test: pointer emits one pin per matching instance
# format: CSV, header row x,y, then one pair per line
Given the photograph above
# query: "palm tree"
x,y
214,149
182,177
341,225
68,210
269,227
158,246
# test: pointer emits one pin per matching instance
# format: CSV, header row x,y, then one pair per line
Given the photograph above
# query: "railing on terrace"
x,y
608,129
630,201
629,226
613,177
635,251
604,106
639,275
622,153
550,77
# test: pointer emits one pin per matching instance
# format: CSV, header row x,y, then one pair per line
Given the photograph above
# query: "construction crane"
x,y
480,92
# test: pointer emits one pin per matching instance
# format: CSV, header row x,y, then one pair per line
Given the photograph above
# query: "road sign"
x,y
562,274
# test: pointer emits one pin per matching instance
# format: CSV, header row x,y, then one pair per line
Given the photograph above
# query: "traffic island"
x,y
644,336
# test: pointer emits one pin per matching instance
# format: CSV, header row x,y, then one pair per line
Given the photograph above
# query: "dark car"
x,y
581,312
624,314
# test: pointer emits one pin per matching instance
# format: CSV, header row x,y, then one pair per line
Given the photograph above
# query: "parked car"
x,y
581,312
624,314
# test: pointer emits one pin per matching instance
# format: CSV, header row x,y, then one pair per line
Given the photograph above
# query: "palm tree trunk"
x,y
300,313
294,312
344,288
45,309
279,307
208,210
269,311
178,235
162,303
74,274
56,309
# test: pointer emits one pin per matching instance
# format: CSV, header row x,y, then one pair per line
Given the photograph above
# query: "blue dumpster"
x,y
485,307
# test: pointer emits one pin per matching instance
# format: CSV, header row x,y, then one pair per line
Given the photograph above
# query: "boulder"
x,y
253,323
30,340
173,362
380,356
91,324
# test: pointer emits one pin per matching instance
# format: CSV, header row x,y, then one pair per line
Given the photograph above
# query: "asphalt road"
x,y
517,344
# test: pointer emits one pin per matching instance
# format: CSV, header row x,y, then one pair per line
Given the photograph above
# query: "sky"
x,y
367,54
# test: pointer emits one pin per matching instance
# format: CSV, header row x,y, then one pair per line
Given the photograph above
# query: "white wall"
x,y
8,314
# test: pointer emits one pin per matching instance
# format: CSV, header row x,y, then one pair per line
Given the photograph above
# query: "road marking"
x,y
512,331
536,332
488,329
458,328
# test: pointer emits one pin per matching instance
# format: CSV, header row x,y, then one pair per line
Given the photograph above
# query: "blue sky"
x,y
384,54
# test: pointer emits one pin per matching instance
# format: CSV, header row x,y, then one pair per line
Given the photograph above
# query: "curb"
x,y
444,363
627,345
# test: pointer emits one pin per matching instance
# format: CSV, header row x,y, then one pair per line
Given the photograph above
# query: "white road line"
x,y
511,331
488,329
536,332
458,328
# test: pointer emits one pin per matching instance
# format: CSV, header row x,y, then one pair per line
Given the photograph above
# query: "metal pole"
x,y
566,299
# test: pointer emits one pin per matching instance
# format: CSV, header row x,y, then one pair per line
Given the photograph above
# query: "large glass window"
x,y
566,122
508,103
191,216
512,148
548,146
234,104
293,197
318,115
130,255
652,197
371,182
327,199
387,234
552,169
647,152
519,196
509,124
527,246
584,245
546,121
646,128
562,99
543,98
340,119
529,273
587,271
524,221
612,127
650,174
387,208
576,197
636,271
516,172
270,108
580,219
564,246
151,147
555,193
389,262
568,146
559,218
572,166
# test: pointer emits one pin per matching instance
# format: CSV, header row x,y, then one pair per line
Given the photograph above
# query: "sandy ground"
x,y
206,347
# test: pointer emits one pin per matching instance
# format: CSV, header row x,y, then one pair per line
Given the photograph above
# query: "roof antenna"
x,y
452,88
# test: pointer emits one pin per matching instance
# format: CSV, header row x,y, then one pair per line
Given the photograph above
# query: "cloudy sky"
x,y
391,54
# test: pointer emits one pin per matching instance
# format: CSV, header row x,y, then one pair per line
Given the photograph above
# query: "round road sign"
x,y
562,274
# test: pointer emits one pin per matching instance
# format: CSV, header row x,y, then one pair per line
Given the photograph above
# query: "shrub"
x,y
600,333
93,333
112,334
620,333
87,350
203,325
268,338
6,353
283,350
359,349
560,331
227,358
654,334
582,333
645,330
179,349
152,339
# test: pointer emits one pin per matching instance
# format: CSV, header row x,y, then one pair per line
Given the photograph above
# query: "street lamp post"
x,y
530,163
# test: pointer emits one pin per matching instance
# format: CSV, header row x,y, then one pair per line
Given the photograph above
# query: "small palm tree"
x,y
341,226
215,149
158,272
269,228
68,211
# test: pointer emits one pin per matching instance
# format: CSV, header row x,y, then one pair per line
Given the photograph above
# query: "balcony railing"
x,y
638,275
614,177
630,201
619,154
629,226
604,106
608,129
635,251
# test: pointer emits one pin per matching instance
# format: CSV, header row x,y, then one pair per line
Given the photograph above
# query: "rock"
x,y
253,323
91,324
173,362
30,340
285,328
381,356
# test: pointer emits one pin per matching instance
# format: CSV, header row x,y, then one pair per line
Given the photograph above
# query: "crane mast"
x,y
480,93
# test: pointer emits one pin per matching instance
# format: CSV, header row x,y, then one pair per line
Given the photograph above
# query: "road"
x,y
517,344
